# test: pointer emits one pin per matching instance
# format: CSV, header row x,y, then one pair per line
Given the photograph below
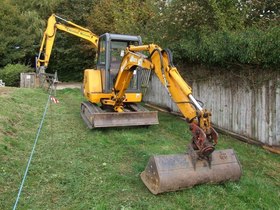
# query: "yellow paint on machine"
x,y
92,81
93,88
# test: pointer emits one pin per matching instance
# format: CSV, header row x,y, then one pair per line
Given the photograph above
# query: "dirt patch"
x,y
7,133
72,85
6,91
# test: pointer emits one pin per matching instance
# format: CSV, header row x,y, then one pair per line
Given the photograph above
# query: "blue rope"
x,y
32,152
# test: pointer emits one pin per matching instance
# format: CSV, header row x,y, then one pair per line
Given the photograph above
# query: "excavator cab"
x,y
111,50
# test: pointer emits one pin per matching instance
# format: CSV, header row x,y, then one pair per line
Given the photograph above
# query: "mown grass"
x,y
77,168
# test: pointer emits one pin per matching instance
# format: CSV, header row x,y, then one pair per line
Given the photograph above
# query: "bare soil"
x,y
71,85
5,91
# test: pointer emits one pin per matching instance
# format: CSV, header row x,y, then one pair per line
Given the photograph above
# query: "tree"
x,y
262,13
18,34
135,17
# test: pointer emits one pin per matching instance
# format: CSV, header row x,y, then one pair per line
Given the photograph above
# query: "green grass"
x,y
77,168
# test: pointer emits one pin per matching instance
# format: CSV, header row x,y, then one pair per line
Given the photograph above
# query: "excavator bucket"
x,y
166,173
95,117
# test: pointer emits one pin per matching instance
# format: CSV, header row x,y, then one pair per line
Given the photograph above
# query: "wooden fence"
x,y
31,80
252,113
28,80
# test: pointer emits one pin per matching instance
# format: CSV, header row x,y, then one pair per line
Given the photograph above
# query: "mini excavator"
x,y
113,94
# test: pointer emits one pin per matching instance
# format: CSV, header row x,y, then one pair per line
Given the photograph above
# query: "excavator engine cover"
x,y
166,173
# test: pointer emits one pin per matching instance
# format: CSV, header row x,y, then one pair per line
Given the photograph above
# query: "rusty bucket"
x,y
166,173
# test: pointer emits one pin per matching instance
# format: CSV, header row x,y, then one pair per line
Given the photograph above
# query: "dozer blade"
x,y
95,117
166,173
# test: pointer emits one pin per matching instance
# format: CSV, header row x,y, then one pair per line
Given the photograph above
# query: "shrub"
x,y
249,46
10,74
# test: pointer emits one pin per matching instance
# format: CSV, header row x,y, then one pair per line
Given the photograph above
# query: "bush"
x,y
249,46
10,74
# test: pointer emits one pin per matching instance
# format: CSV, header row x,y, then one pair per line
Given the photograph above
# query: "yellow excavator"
x,y
113,93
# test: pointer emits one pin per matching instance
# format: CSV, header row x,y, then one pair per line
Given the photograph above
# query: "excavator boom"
x,y
49,37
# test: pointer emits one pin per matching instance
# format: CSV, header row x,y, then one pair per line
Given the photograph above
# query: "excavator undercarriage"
x,y
134,115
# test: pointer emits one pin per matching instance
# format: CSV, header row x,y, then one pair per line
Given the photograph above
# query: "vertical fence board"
x,y
277,113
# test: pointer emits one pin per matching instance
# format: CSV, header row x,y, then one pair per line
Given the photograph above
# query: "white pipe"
x,y
195,102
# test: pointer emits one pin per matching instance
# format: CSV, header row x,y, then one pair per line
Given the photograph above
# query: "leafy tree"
x,y
102,17
43,8
18,34
206,31
262,13
222,32
136,17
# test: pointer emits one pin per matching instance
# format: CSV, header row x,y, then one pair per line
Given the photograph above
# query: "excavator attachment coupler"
x,y
95,117
166,173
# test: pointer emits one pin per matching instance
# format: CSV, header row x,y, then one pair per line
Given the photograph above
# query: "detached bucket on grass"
x,y
166,173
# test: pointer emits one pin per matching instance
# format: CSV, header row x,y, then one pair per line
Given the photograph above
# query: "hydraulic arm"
x,y
201,164
49,37
160,61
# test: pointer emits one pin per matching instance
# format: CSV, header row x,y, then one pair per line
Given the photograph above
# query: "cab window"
x,y
102,52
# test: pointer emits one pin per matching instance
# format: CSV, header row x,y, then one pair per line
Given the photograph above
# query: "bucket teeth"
x,y
166,173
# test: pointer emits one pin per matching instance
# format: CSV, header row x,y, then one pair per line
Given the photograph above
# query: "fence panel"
x,y
28,80
253,113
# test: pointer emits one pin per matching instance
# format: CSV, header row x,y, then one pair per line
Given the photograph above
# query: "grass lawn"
x,y
77,168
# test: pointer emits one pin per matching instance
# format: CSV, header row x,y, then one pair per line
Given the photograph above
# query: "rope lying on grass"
x,y
32,152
